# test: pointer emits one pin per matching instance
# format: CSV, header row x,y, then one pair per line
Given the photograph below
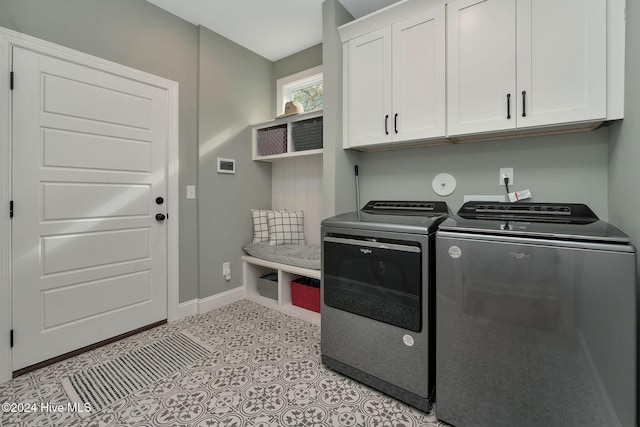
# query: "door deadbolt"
x,y
159,200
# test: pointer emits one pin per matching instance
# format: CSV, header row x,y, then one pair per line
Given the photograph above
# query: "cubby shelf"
x,y
254,268
289,150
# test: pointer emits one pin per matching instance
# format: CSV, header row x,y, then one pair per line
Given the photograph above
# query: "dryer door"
x,y
376,278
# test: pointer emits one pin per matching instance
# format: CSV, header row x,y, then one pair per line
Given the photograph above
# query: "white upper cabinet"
x,y
561,61
520,64
395,82
419,77
369,83
481,66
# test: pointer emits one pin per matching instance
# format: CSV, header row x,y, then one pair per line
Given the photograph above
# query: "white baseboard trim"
x,y
220,300
200,306
186,309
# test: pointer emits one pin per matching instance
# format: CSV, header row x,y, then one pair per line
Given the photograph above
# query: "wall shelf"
x,y
254,268
275,139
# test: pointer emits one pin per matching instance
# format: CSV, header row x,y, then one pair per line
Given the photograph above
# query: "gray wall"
x,y
303,60
338,192
624,144
562,168
237,89
142,36
235,92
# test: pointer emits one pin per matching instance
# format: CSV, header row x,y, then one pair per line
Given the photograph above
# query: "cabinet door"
x,y
481,66
419,77
561,61
369,90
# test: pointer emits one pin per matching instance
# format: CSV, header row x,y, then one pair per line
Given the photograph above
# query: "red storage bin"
x,y
305,295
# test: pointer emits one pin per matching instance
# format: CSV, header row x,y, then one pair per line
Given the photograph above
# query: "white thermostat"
x,y
226,165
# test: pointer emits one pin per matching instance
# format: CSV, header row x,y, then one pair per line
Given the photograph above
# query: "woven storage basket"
x,y
307,134
272,140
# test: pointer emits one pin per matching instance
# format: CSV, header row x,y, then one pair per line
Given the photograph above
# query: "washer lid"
x,y
404,207
568,221
566,213
396,216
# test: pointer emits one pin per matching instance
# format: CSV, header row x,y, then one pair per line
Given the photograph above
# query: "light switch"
x,y
191,191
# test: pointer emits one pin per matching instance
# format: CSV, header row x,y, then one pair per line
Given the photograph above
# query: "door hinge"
x,y
11,209
11,80
11,338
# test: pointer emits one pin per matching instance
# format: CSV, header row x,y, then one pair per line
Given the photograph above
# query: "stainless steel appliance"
x,y
377,297
536,318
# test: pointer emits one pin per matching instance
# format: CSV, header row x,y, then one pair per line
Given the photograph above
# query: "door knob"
x,y
160,217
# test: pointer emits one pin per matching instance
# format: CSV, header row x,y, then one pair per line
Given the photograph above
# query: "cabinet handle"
x,y
508,106
524,94
386,124
395,123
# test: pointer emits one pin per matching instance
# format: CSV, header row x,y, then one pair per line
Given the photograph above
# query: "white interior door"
x,y
88,255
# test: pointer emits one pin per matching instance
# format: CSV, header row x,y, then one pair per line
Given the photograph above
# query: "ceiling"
x,y
273,29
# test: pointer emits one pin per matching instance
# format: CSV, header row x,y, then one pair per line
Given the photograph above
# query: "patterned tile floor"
x,y
263,370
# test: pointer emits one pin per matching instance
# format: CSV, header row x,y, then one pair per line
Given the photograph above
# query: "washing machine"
x,y
536,318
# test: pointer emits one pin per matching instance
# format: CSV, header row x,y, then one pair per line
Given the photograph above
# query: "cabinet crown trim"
x,y
386,16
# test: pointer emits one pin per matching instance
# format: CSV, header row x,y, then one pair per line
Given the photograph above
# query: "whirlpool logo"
x,y
519,255
366,251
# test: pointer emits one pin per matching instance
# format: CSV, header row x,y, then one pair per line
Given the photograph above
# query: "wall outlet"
x,y
191,192
226,270
506,172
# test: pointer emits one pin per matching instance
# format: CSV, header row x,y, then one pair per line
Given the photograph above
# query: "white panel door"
x,y
481,72
370,120
88,255
562,62
419,77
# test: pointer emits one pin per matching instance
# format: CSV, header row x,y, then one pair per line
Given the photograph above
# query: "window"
x,y
304,87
